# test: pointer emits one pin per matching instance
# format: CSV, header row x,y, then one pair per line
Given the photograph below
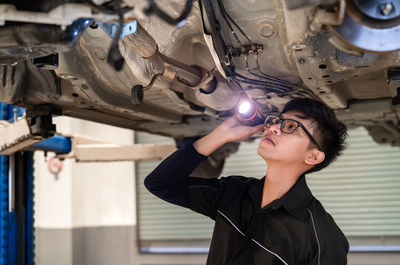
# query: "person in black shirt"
x,y
273,220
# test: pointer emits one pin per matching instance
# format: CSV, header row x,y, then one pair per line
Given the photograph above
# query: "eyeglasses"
x,y
288,126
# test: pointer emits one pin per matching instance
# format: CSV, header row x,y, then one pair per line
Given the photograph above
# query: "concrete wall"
x,y
87,214
82,195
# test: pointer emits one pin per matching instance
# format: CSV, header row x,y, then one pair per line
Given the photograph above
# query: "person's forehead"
x,y
298,116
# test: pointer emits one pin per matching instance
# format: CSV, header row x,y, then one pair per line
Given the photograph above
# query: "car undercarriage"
x,y
179,68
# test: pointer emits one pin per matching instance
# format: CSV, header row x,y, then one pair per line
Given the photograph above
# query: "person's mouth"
x,y
268,140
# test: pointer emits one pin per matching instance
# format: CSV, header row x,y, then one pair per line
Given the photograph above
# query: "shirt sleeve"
x,y
171,181
204,195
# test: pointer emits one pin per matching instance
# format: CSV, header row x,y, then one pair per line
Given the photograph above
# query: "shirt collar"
x,y
295,200
298,198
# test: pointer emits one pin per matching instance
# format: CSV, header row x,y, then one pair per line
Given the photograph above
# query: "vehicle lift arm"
x,y
19,138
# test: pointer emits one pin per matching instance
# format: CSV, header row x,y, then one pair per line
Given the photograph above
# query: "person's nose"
x,y
275,129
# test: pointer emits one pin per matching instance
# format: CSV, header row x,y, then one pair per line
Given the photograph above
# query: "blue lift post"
x,y
4,196
16,219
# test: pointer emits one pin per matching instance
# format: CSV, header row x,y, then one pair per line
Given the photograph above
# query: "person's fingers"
x,y
237,116
257,128
250,130
236,119
232,119
238,131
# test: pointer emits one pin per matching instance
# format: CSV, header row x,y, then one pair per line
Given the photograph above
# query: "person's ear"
x,y
314,157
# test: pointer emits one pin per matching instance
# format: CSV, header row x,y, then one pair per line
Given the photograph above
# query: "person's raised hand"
x,y
232,130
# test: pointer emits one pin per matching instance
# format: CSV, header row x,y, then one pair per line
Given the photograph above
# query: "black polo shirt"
x,y
294,229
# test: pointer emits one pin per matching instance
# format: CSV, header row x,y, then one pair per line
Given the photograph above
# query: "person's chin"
x,y
265,151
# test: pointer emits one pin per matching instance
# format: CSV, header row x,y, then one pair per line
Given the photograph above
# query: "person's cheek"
x,y
292,149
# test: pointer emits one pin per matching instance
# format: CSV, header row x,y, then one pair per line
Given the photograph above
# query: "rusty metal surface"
x,y
303,43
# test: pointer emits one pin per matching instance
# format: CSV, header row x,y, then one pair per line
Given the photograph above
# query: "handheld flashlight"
x,y
249,114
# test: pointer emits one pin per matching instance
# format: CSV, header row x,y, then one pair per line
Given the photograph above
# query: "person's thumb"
x,y
258,128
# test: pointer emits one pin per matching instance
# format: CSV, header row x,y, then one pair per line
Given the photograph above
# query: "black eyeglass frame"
x,y
282,121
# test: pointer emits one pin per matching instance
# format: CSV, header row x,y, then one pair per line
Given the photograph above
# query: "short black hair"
x,y
330,133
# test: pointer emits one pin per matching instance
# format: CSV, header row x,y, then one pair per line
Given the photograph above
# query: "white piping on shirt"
x,y
269,251
203,186
252,238
231,222
316,236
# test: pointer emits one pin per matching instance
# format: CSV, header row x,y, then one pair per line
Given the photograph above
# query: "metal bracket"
x,y
324,17
21,134
16,136
111,28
